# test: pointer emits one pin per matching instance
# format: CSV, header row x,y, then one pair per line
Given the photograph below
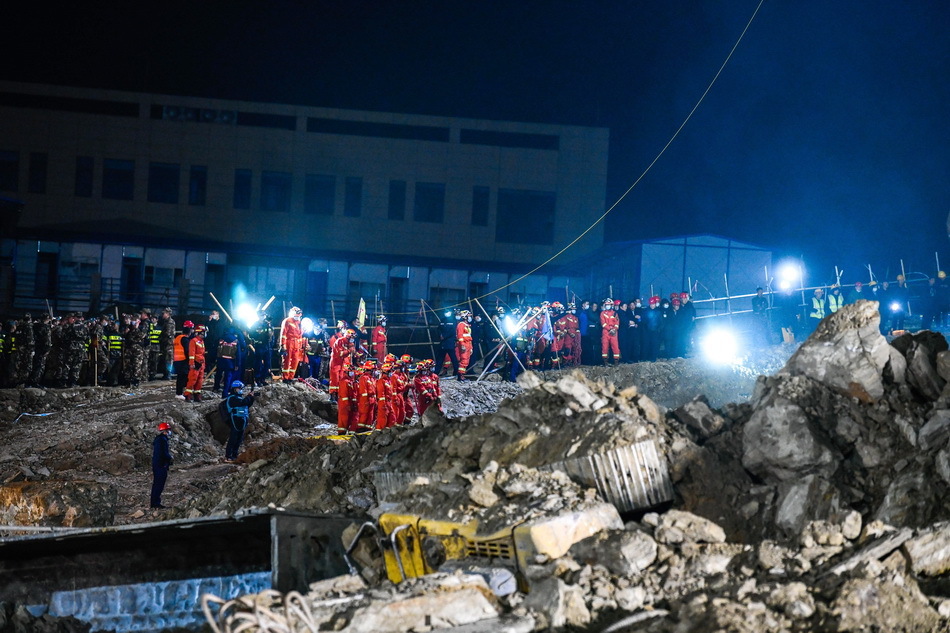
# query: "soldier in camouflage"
x,y
98,350
75,339
167,342
43,343
136,357
25,345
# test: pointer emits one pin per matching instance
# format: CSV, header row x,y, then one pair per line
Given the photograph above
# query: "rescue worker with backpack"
x,y
180,358
234,411
230,359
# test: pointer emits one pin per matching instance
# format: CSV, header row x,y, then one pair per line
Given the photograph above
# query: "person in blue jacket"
x,y
161,462
238,403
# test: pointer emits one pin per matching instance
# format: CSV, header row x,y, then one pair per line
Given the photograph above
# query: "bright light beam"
x,y
306,325
246,313
720,347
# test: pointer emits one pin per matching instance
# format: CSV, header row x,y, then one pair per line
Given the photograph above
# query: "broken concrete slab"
x,y
623,552
676,526
929,550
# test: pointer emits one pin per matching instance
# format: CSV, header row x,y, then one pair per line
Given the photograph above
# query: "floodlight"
x,y
246,313
306,325
719,346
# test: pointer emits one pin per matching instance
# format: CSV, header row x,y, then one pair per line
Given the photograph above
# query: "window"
x,y
480,207
36,181
275,190
242,188
84,172
163,181
163,277
525,217
430,202
353,198
197,186
319,196
118,179
9,171
397,199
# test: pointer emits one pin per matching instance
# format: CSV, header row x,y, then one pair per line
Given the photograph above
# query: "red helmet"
x,y
654,301
188,324
676,301
164,426
405,358
200,329
684,295
389,358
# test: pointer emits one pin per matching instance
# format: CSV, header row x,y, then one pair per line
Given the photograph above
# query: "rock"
x,y
631,598
779,442
794,600
676,526
851,524
556,604
943,365
698,416
811,497
891,606
921,374
942,464
481,493
936,431
117,463
554,536
877,549
58,503
847,352
138,514
929,551
623,552
896,369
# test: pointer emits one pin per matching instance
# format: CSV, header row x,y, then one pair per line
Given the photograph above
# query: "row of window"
x,y
524,217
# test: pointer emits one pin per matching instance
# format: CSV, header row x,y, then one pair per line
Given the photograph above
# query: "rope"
x,y
635,182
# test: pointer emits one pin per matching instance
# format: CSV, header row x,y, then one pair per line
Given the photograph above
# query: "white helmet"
x,y
295,313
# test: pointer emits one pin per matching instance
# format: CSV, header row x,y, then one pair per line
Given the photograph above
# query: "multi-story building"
x,y
155,199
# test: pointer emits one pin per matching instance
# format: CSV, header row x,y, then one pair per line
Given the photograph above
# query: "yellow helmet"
x,y
900,278
942,275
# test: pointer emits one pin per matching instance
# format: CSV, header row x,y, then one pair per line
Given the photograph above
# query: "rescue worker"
x,y
384,387
154,347
857,293
180,358
343,352
652,330
316,347
237,402
426,386
212,336
405,362
366,398
262,337
463,343
610,328
196,364
835,299
346,409
447,344
400,381
166,343
566,334
43,343
291,344
114,344
229,360
379,338
760,318
161,462
818,309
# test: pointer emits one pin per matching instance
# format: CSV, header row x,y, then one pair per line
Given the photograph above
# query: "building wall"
x,y
564,162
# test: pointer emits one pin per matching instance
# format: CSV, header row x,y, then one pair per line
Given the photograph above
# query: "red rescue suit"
x,y
427,388
366,402
567,338
609,341
384,389
196,367
292,346
340,354
463,345
402,408
379,343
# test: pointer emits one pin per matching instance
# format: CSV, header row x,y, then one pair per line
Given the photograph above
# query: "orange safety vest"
x,y
179,348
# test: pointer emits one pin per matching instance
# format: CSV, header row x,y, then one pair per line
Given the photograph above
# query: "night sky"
x,y
826,136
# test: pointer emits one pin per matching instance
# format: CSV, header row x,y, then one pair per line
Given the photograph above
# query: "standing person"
x,y
237,404
930,311
263,340
161,461
154,347
343,352
636,337
567,337
230,356
447,333
166,343
316,347
75,340
291,344
366,397
463,343
857,293
760,318
43,342
212,336
688,314
196,364
595,330
426,386
180,358
789,314
346,404
652,330
625,332
818,308
384,387
25,348
379,338
114,343
835,299
610,330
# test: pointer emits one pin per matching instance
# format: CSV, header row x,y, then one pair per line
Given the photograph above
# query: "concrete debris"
x,y
58,504
677,527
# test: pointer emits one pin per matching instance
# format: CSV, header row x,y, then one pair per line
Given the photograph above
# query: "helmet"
x,y
557,305
607,302
941,275
465,313
386,367
347,367
572,306
873,283
201,329
858,284
295,312
654,300
368,365
381,317
237,384
900,278
349,333
405,358
164,426
684,295
389,358
545,304
500,309
676,301
188,324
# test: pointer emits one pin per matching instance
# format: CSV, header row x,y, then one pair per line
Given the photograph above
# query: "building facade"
x,y
158,199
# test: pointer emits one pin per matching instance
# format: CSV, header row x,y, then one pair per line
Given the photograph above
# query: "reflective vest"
x,y
115,342
179,348
835,303
817,308
154,334
227,349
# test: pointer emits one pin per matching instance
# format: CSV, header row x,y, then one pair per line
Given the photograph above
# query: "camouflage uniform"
x,y
115,345
155,357
100,353
167,343
43,340
25,344
136,343
75,342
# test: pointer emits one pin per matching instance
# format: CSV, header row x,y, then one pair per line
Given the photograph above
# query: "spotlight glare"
x,y
720,347
306,325
246,314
